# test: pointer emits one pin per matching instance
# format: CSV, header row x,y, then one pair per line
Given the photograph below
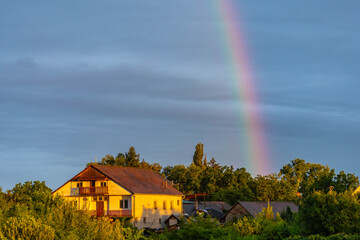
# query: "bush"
x,y
330,213
201,228
247,226
27,228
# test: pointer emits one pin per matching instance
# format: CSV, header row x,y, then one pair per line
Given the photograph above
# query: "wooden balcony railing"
x,y
89,191
93,190
113,213
118,213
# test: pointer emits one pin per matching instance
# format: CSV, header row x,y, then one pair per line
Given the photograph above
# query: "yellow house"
x,y
138,193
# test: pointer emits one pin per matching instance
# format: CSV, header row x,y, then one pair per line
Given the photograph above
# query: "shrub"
x,y
27,228
330,213
247,226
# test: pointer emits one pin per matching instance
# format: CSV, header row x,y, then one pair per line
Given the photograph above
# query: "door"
x,y
99,209
92,187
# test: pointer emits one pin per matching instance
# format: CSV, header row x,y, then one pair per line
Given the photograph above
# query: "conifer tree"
x,y
131,158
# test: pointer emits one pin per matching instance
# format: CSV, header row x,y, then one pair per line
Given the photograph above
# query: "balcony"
x,y
119,213
112,213
88,191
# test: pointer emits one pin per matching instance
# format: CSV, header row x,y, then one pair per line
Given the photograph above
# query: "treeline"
x,y
298,178
331,216
29,211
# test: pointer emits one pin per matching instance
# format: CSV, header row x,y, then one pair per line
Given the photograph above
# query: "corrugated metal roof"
x,y
138,180
254,208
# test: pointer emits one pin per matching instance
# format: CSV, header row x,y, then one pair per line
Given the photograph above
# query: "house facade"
x,y
137,193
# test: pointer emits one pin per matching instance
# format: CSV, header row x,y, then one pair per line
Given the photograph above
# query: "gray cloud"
x,y
83,80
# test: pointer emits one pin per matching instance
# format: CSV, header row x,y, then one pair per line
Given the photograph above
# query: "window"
x,y
164,205
178,202
144,219
100,198
159,220
103,184
124,204
155,204
79,184
172,204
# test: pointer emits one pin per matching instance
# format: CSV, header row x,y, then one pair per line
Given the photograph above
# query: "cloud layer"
x,y
83,80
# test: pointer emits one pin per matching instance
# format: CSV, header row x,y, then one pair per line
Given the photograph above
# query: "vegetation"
x,y
29,211
327,207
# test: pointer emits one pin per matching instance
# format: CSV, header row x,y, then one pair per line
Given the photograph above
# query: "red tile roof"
x,y
138,180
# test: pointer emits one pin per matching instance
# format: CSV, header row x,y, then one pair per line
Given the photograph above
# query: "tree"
x,y
343,182
131,158
179,176
271,187
198,155
330,213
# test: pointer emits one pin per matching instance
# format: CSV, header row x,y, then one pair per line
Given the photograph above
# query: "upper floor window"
x,y
172,204
103,184
155,204
124,204
164,205
79,184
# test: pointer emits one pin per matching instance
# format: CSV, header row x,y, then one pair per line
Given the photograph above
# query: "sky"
x,y
81,79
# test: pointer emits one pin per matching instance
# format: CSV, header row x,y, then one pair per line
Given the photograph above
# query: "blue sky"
x,y
80,79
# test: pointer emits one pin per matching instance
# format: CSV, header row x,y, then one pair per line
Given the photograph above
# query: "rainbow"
x,y
242,77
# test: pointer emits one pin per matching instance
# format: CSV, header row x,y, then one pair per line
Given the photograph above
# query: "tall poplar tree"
x,y
198,154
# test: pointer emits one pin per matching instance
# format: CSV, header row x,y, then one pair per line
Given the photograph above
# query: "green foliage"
x,y
309,177
247,226
29,211
232,195
198,155
129,159
330,213
201,228
26,228
267,213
